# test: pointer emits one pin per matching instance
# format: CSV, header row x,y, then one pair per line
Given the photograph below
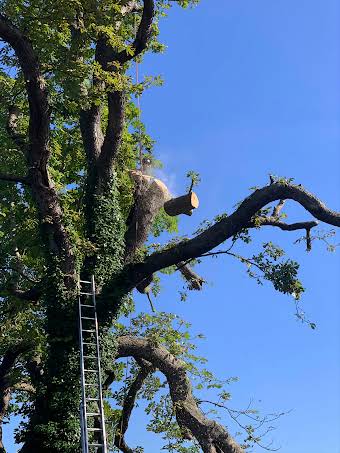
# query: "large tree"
x,y
76,201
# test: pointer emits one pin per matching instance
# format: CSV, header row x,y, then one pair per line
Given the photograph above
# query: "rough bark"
x,y
149,197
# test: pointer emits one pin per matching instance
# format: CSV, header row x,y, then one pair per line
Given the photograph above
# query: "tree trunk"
x,y
54,423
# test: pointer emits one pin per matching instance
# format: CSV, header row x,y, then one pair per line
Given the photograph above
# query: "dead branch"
x,y
211,435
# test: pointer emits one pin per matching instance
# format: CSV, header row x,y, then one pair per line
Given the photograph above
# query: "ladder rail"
x,y
83,416
95,355
101,405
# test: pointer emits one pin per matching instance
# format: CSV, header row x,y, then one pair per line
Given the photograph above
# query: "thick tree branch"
x,y
32,294
211,435
113,135
143,33
128,405
36,91
38,149
229,226
107,57
91,131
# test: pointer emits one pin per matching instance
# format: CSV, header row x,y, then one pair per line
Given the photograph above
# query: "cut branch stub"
x,y
144,287
182,205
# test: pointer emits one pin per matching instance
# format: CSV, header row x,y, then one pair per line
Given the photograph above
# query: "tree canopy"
x,y
78,198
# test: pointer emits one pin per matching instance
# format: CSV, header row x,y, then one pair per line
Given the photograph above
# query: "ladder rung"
x,y
92,414
89,357
91,385
96,445
92,344
88,330
94,429
85,294
86,317
84,281
92,399
91,371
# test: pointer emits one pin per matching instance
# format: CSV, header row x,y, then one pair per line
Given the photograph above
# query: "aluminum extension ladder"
x,y
93,435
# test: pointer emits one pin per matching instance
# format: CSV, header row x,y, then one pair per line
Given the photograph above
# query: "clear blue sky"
x,y
252,87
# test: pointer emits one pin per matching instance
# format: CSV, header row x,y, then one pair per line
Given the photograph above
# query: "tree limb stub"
x,y
194,280
211,435
182,205
150,195
229,226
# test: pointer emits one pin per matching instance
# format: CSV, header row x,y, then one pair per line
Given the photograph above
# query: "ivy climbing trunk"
x,y
54,426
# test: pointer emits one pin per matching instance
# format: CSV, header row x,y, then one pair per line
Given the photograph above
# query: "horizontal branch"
x,y
14,178
212,437
33,294
227,227
272,221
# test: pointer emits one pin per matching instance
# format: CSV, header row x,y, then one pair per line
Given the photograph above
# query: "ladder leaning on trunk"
x,y
93,436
